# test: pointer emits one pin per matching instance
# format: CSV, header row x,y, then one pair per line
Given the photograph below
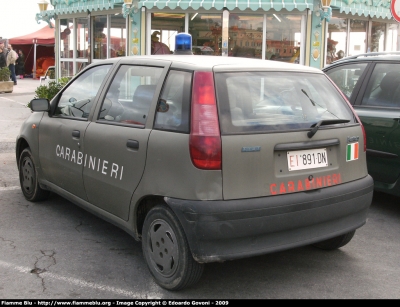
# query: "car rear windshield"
x,y
276,101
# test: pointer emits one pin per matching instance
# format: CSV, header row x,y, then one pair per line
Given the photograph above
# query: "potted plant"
x,y
5,84
50,89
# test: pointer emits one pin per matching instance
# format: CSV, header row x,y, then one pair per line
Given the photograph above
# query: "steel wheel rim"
x,y
163,248
28,175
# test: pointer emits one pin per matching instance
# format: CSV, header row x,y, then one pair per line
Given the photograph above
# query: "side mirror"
x,y
40,105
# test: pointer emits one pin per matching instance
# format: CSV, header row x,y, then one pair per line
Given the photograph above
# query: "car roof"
x,y
370,56
222,62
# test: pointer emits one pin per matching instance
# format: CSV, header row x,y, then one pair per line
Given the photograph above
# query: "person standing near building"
x,y
20,64
3,62
11,58
158,47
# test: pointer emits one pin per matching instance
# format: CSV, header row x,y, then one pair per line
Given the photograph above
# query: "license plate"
x,y
306,159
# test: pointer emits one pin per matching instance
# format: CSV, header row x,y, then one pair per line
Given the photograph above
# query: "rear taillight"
x,y
359,121
362,126
365,136
205,137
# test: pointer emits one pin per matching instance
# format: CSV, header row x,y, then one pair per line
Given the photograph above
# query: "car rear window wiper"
x,y
324,122
317,104
305,93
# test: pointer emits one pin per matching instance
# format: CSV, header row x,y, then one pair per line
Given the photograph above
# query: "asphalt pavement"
x,y
22,93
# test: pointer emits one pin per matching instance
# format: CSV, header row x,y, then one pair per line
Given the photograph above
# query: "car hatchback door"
x,y
296,127
116,142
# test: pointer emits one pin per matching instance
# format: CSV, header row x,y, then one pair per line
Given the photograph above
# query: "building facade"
x,y
294,31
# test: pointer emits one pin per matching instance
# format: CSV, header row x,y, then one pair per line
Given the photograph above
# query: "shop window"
x,y
74,45
66,47
82,38
358,36
66,38
206,31
109,47
67,68
391,37
337,39
245,35
100,37
377,36
117,35
283,33
164,28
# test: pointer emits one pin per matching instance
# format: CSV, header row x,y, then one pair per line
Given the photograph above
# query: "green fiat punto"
x,y
202,158
371,82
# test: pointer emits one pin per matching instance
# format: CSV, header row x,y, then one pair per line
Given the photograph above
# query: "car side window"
x,y
383,88
347,76
77,99
130,94
174,103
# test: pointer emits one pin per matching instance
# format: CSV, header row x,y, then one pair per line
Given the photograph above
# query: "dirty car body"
x,y
203,159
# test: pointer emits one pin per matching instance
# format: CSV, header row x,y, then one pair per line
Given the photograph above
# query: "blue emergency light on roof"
x,y
183,43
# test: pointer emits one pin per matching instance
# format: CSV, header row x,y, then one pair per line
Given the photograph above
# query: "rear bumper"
x,y
389,188
225,230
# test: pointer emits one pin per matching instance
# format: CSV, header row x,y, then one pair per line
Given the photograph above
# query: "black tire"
x,y
28,178
167,252
336,242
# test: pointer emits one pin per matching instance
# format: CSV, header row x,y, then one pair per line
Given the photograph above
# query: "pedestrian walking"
x,y
11,58
20,65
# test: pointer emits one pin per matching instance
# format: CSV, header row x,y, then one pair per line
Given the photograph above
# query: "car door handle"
x,y
76,134
131,144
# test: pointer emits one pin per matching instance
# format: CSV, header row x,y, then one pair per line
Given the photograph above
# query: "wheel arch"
x,y
143,208
20,145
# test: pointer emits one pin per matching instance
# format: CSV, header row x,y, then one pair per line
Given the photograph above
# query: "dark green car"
x,y
371,82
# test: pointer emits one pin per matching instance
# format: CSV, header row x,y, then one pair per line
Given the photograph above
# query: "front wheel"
x,y
28,178
336,242
167,252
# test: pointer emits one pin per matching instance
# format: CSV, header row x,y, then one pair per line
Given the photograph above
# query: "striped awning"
x,y
372,8
254,5
368,8
77,6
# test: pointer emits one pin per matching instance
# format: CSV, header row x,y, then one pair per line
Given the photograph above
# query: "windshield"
x,y
271,101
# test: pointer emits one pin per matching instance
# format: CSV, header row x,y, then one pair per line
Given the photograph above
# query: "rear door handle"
x,y
131,144
76,134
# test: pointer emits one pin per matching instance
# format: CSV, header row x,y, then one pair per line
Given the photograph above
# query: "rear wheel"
x,y
336,242
167,252
28,178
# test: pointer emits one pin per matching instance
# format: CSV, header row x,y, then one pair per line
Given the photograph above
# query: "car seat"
x,y
137,112
390,90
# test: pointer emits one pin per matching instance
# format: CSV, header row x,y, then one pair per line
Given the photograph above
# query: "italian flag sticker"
x,y
352,152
